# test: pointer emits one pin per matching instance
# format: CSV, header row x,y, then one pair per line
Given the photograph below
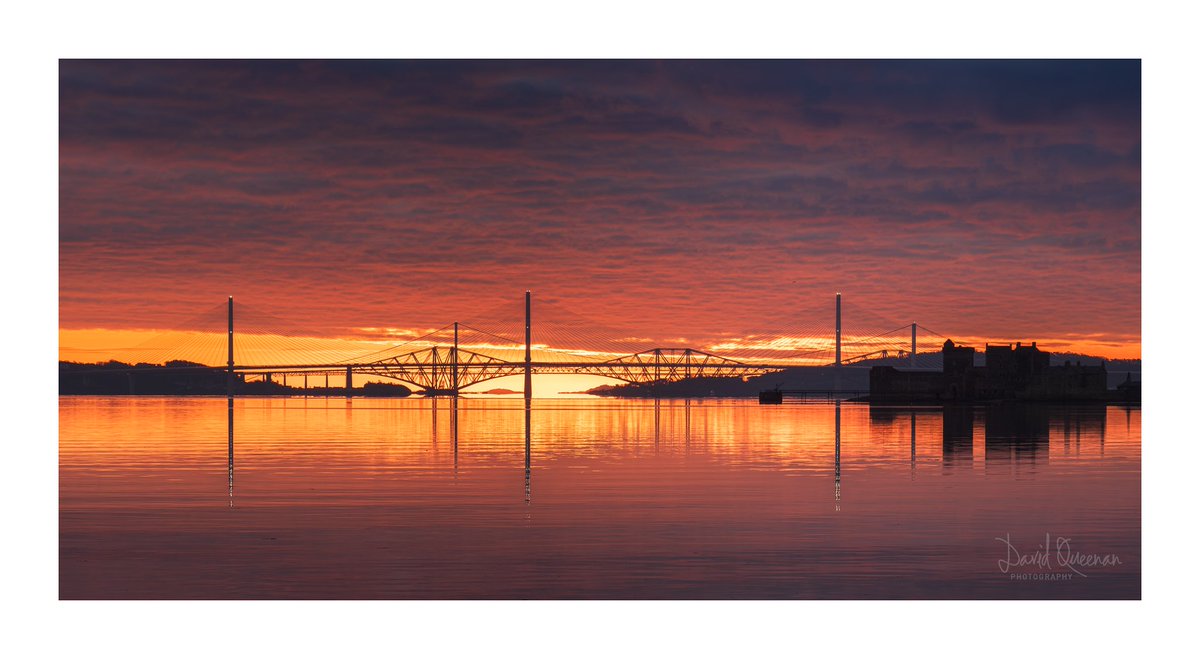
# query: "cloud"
x,y
683,196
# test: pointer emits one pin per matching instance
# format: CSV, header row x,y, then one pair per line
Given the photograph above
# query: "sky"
x,y
687,200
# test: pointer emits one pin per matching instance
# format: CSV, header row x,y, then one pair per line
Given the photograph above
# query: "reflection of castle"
x,y
958,434
1020,373
1016,436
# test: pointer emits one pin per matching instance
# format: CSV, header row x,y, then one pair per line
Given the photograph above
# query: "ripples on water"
x,y
417,498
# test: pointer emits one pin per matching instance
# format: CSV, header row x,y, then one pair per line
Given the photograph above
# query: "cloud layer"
x,y
989,199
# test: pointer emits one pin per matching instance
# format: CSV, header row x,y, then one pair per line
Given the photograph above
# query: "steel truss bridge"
x,y
441,369
438,369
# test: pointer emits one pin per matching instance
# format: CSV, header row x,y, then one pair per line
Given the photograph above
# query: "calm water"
x,y
414,498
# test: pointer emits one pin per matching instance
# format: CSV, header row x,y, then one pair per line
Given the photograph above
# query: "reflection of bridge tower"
x,y
657,412
672,434
528,434
912,444
687,422
454,431
230,425
229,401
837,455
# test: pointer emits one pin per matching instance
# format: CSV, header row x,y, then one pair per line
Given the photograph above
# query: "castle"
x,y
1010,373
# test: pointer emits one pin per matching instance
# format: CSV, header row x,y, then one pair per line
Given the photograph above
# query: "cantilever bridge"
x,y
451,369
460,355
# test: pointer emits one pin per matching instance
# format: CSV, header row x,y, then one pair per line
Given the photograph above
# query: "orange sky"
x,y
680,203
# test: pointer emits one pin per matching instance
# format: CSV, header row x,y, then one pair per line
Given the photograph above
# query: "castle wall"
x,y
887,383
1020,373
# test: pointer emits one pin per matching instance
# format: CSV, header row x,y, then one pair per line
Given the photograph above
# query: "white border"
x,y
38,35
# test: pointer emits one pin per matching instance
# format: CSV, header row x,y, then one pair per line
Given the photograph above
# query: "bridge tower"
x,y
454,362
837,344
229,377
837,332
912,353
528,352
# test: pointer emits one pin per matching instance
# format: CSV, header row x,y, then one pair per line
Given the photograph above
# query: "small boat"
x,y
770,397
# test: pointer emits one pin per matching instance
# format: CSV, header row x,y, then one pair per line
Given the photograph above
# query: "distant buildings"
x,y
1011,373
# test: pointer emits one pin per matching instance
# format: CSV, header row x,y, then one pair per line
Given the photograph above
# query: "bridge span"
x,y
448,369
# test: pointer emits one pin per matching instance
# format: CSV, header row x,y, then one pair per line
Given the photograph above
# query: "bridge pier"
x,y
349,382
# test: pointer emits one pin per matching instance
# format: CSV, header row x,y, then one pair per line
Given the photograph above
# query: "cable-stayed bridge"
x,y
497,343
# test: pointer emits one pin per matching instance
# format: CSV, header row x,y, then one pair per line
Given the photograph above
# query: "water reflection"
x,y
230,426
733,501
687,421
1015,438
958,436
528,432
837,456
454,437
1080,421
912,445
657,414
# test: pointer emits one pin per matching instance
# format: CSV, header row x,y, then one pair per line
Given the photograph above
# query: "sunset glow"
x,y
600,330
722,203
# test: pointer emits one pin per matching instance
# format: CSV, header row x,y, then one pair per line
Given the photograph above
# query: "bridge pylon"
x,y
454,361
229,377
528,348
837,344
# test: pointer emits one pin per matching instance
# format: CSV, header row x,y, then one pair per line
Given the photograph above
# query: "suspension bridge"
x,y
494,345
